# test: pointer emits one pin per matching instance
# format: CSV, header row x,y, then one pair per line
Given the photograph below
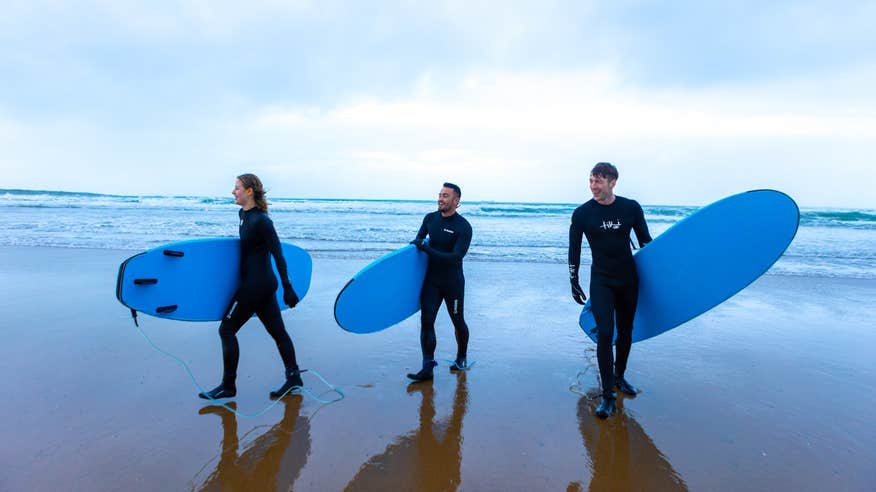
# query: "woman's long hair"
x,y
250,180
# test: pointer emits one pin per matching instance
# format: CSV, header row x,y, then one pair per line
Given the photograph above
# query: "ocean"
x,y
829,243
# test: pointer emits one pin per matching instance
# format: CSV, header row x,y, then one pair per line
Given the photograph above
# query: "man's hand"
x,y
577,292
290,297
418,243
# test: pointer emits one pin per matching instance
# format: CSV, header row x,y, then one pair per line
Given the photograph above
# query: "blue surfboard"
x,y
383,293
706,258
195,280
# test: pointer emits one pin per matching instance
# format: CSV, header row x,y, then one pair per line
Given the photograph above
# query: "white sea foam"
x,y
830,242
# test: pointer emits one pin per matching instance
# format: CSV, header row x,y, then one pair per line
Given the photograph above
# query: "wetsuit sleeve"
x,y
270,235
576,231
641,227
421,234
459,249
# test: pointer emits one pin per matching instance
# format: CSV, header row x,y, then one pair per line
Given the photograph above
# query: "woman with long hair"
x,y
257,291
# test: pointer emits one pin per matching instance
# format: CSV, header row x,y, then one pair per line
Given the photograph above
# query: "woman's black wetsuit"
x,y
256,294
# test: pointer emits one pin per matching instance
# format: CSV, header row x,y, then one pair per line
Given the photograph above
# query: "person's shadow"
x,y
272,461
428,458
622,455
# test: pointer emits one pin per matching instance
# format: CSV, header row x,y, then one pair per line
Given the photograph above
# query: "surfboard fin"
x,y
134,315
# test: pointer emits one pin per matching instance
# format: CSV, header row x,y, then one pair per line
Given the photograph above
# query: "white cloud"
x,y
599,104
540,128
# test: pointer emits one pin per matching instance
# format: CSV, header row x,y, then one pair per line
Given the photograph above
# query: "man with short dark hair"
x,y
449,237
607,220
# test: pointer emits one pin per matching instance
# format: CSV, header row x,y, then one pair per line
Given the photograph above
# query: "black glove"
x,y
290,297
577,292
418,243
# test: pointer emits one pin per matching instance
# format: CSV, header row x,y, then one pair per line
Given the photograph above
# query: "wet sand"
x,y
774,389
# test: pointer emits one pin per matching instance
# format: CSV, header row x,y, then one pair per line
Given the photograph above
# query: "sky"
x,y
512,100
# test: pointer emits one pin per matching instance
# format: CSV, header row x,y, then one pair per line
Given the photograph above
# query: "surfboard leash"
x,y
467,367
305,389
577,387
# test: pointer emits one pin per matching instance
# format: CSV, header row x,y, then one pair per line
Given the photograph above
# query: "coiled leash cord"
x,y
331,388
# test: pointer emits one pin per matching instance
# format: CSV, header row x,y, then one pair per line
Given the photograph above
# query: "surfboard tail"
x,y
120,285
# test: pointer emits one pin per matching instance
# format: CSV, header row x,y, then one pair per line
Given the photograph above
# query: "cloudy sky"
x,y
513,100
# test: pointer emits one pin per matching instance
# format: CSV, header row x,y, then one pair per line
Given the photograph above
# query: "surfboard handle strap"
x,y
170,252
166,309
304,389
145,281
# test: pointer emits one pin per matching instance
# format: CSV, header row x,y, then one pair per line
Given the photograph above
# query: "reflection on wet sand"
x,y
274,459
622,455
423,460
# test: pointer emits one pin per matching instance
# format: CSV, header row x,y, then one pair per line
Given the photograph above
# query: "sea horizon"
x,y
227,197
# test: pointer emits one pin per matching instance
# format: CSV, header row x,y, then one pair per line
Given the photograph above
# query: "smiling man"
x,y
449,237
606,220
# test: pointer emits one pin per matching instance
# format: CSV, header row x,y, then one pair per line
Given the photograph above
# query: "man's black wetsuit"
x,y
256,294
449,238
614,282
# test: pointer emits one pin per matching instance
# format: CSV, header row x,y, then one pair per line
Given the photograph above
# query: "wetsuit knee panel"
x,y
228,329
605,335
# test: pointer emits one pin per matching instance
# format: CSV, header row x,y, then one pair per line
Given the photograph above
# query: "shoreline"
x,y
365,260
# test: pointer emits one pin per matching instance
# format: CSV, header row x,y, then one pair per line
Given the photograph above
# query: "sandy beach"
x,y
774,389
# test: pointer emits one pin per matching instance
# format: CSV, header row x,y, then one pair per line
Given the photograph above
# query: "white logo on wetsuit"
x,y
231,311
610,225
448,230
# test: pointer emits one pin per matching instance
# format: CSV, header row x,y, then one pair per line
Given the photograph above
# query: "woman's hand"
x,y
290,297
